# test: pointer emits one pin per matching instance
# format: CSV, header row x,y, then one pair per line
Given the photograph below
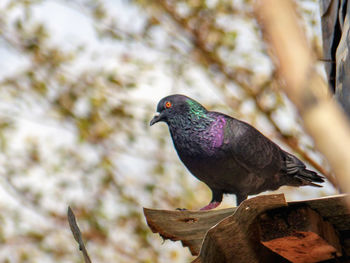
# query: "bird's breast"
x,y
199,140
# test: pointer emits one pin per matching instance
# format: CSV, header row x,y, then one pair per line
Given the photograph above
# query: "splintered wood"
x,y
188,226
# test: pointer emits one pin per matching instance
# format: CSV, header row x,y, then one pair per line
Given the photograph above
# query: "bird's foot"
x,y
210,206
181,209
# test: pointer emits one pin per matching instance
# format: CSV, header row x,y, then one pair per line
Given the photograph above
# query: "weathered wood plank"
x,y
191,226
299,234
188,226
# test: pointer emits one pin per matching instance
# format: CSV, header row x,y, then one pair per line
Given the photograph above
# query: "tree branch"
x,y
295,61
77,234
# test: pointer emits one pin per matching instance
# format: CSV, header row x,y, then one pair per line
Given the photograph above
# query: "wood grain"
x,y
299,234
233,235
188,226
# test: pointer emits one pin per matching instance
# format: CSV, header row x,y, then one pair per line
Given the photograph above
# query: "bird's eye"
x,y
168,104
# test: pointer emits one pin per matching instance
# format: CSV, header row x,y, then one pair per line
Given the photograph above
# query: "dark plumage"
x,y
227,154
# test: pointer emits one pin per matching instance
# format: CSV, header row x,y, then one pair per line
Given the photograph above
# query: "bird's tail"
x,y
297,169
308,177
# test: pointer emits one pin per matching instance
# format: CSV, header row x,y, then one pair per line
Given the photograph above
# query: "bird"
x,y
229,155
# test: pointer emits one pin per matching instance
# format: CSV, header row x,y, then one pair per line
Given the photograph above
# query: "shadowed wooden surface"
x,y
331,208
299,234
236,238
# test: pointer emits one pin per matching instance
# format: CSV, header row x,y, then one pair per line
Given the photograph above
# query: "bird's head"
x,y
177,105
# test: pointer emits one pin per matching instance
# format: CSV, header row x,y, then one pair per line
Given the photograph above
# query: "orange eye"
x,y
168,104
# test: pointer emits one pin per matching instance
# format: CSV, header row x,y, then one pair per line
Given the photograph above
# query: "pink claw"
x,y
211,206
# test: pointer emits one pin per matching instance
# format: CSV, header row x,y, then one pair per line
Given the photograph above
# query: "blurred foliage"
x,y
76,106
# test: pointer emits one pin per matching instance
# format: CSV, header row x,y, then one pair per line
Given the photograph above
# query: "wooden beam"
x,y
235,229
236,238
188,226
299,234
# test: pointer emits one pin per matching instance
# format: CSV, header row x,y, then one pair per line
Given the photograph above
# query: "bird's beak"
x,y
157,117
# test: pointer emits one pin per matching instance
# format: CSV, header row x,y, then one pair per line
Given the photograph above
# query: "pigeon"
x,y
230,156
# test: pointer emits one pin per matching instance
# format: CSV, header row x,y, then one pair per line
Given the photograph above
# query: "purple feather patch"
x,y
217,131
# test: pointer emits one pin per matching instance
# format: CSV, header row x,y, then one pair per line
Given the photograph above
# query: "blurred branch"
x,y
77,234
322,117
27,199
209,58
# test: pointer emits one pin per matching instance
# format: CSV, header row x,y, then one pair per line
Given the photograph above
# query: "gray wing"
x,y
252,150
268,164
